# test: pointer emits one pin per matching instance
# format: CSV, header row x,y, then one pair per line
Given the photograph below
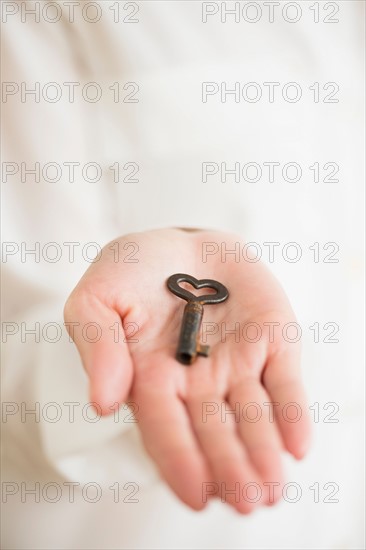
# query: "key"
x,y
189,346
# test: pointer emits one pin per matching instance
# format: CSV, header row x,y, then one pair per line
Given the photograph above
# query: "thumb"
x,y
98,333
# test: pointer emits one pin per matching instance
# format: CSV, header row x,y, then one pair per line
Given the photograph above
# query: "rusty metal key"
x,y
189,346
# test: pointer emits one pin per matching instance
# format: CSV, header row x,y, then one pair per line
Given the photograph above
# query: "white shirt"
x,y
182,127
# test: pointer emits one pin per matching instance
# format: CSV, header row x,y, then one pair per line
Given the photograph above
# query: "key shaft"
x,y
189,346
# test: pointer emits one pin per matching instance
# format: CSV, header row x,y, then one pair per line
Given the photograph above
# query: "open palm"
x,y
218,426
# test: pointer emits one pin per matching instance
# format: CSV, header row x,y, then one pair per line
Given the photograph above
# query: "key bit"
x,y
189,346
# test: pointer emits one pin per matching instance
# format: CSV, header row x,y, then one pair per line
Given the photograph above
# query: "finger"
x,y
98,334
260,435
168,437
231,468
282,380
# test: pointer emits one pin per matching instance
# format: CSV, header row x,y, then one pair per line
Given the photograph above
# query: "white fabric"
x,y
169,133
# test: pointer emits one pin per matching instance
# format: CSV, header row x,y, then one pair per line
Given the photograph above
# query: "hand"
x,y
184,411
